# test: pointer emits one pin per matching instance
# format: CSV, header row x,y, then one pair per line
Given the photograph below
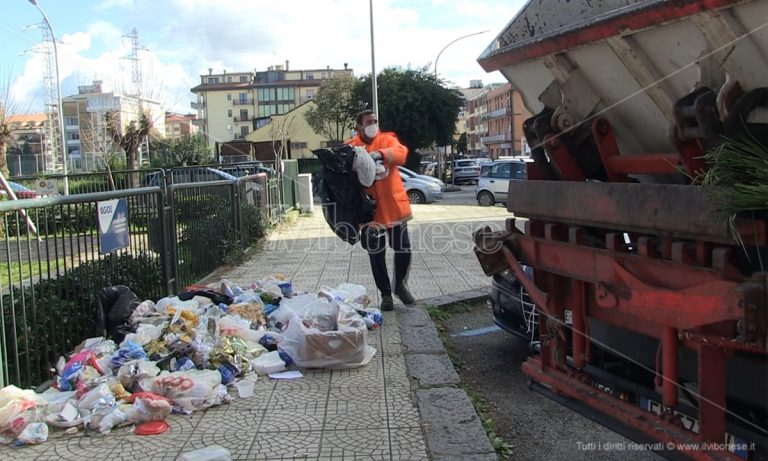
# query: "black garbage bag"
x,y
215,297
346,205
117,304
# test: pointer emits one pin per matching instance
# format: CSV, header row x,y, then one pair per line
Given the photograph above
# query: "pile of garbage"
x,y
180,354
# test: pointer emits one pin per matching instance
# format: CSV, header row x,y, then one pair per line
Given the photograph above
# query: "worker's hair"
x,y
362,114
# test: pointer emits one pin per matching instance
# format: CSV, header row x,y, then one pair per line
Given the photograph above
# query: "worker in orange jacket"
x,y
393,210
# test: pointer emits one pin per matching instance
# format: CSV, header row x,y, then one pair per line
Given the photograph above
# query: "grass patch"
x,y
483,408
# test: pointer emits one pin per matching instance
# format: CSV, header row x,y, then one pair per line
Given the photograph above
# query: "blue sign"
x,y
113,225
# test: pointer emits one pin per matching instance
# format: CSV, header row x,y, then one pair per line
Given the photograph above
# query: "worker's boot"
x,y
386,302
404,294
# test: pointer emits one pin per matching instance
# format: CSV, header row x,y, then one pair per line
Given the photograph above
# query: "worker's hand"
x,y
376,155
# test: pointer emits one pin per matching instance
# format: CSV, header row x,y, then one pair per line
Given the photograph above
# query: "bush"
x,y
48,319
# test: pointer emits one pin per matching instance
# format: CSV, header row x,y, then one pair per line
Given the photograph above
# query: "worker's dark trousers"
x,y
373,239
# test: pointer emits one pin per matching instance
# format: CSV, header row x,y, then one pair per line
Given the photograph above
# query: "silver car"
x,y
420,190
412,174
494,180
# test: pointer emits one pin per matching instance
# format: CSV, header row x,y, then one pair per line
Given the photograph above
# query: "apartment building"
x,y
85,129
28,150
232,105
178,126
495,122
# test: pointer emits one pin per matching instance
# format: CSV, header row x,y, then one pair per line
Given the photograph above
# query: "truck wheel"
x,y
485,198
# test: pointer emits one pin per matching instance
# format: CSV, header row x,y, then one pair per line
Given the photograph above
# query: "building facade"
x,y
87,139
299,137
232,105
29,151
495,123
178,126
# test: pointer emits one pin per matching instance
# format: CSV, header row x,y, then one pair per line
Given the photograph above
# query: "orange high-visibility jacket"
x,y
392,204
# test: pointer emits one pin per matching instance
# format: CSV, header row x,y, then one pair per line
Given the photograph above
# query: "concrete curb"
x,y
452,428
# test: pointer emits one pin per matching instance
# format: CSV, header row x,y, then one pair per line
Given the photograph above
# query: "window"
x,y
266,110
501,170
265,94
243,131
309,77
229,96
213,79
285,94
229,79
243,98
73,136
229,113
72,121
519,171
310,94
243,115
243,79
298,145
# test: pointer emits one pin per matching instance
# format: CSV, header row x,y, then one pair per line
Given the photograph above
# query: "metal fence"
x,y
51,273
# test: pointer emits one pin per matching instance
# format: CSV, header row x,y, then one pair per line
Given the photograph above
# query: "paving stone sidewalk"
x,y
403,405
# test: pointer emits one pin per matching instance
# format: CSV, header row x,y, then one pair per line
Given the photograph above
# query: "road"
x,y
534,426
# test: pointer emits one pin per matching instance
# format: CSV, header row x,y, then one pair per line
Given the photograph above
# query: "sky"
x,y
182,39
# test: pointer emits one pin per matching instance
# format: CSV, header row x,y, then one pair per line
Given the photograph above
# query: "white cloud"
x,y
186,37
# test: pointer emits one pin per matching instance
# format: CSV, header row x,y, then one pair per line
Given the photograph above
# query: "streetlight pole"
x,y
375,88
439,156
60,108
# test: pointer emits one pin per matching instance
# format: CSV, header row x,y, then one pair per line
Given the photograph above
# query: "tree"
x,y
281,129
131,138
461,144
415,105
192,150
333,116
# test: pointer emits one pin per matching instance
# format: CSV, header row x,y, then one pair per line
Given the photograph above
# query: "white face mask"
x,y
371,131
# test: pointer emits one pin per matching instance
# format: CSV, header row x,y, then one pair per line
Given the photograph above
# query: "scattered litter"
x,y
151,428
291,374
211,453
180,355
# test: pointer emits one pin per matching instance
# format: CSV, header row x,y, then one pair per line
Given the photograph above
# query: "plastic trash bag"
x,y
33,434
349,292
117,303
144,334
365,167
271,362
314,311
137,375
19,408
345,347
190,390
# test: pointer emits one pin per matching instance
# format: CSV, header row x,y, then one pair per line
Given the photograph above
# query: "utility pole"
x,y
52,128
136,82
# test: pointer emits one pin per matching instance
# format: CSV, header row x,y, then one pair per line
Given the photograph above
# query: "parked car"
x,y
20,191
494,180
411,174
466,171
420,190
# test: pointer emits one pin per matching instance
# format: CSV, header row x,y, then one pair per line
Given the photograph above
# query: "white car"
x,y
494,180
421,191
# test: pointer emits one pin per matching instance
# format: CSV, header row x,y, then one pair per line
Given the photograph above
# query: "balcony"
x,y
197,105
242,119
496,114
495,138
242,102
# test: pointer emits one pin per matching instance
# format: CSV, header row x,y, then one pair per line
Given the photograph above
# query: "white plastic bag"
x,y
345,347
33,434
268,363
145,333
316,312
365,166
18,408
191,390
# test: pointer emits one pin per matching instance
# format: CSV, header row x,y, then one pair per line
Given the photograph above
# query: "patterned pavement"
x,y
366,413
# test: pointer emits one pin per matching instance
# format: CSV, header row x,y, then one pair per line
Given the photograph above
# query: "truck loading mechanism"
x,y
629,95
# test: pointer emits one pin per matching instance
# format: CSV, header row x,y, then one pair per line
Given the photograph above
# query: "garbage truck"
x,y
648,294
